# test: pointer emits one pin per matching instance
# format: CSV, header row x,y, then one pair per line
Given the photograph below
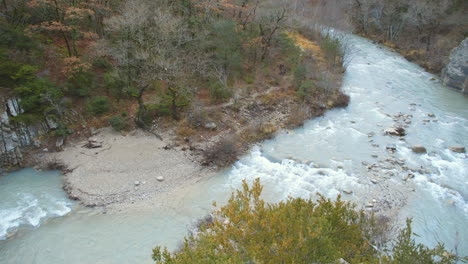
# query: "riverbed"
x,y
344,152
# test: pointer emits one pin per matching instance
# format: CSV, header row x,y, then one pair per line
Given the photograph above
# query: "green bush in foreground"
x,y
249,230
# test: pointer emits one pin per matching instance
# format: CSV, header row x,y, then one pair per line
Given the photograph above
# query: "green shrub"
x,y
116,86
289,48
332,49
218,91
118,123
300,74
80,84
305,89
98,105
249,230
102,63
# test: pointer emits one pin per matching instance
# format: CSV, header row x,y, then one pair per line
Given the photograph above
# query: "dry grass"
x,y
184,130
258,132
309,47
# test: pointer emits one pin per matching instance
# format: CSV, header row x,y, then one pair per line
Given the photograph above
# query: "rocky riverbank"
x,y
114,168
118,168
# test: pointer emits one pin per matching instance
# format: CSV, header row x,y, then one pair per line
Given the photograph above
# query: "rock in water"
x,y
455,74
395,131
419,149
391,147
458,149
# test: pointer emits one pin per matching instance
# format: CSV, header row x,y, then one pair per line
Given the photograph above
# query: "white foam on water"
x,y
29,199
290,178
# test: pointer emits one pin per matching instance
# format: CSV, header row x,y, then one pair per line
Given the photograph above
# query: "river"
x,y
342,152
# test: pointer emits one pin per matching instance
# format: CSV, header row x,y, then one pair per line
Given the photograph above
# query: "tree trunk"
x,y
139,120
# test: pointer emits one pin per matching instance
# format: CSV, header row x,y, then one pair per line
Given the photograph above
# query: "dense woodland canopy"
x,y
72,61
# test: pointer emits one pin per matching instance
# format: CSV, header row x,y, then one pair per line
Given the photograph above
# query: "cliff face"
x,y
15,136
455,74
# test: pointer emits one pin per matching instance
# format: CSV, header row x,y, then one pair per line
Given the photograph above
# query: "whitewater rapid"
x,y
344,152
28,198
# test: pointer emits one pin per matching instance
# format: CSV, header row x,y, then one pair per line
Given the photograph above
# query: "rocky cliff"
x,y
455,74
15,136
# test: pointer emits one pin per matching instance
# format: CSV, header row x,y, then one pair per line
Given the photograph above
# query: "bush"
x,y
80,84
300,74
115,85
249,230
222,154
218,91
332,49
98,105
102,63
305,89
289,48
118,123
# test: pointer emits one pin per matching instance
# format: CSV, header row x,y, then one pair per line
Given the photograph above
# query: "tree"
x,y
72,20
151,45
249,230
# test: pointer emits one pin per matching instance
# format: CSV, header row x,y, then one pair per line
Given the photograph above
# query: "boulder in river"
x,y
395,131
391,147
458,149
418,149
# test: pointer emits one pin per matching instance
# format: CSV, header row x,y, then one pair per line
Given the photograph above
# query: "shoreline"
x,y
126,169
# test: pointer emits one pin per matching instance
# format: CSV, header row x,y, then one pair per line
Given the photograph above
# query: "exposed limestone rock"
x,y
455,74
14,136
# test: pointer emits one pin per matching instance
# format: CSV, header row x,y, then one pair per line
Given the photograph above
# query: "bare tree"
x,y
152,46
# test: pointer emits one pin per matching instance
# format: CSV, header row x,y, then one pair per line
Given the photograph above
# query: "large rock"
x,y
418,149
455,73
15,136
458,149
395,131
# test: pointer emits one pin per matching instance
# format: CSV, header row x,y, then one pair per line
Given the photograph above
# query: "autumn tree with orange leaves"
x,y
71,20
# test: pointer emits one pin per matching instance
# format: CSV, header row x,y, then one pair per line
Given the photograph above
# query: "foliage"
x,y
118,123
305,89
116,86
218,91
331,46
249,230
407,251
300,74
80,84
289,48
98,105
